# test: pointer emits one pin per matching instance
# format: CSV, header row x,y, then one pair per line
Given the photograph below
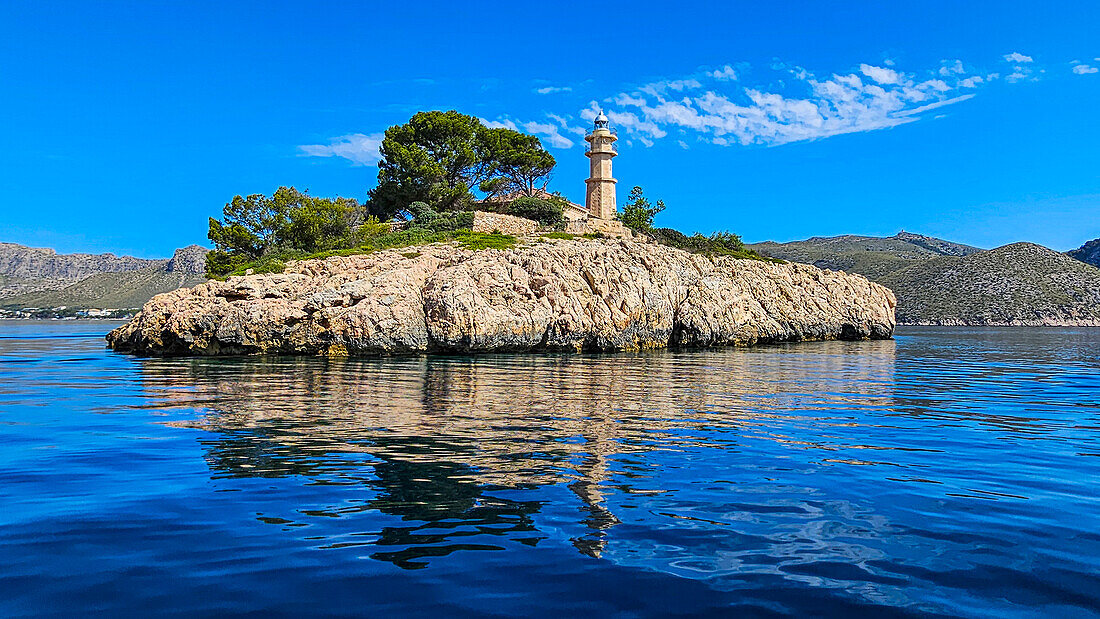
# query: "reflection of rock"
x,y
562,295
438,440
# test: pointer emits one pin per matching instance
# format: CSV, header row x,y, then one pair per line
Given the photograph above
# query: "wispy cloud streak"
x,y
359,148
725,112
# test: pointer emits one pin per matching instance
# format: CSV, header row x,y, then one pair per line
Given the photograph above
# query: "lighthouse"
x,y
600,195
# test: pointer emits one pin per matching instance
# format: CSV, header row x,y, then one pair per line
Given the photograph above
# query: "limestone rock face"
x,y
564,295
190,259
1089,253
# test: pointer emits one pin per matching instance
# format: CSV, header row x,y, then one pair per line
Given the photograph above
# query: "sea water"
x,y
951,471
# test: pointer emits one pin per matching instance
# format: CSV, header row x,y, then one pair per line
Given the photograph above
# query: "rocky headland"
x,y
544,295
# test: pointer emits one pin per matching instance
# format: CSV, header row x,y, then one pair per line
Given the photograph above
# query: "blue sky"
x,y
128,124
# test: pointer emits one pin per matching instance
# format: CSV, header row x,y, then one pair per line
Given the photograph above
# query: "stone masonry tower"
x,y
600,195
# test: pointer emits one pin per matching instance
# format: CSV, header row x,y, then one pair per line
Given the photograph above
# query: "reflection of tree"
x,y
438,441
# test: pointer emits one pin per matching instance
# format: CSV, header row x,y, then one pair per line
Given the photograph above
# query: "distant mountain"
x,y
41,278
25,269
940,282
1088,253
1018,284
871,256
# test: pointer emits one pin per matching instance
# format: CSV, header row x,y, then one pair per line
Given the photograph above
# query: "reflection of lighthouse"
x,y
600,196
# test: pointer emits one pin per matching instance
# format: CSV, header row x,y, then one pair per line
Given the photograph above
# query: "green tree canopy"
x,y
259,226
433,158
439,157
513,162
637,213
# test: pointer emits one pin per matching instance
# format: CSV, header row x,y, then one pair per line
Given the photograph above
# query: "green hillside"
x,y
940,282
1022,283
873,257
108,290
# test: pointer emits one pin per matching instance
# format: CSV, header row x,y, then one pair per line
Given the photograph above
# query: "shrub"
x,y
717,244
637,214
419,209
546,212
264,265
427,218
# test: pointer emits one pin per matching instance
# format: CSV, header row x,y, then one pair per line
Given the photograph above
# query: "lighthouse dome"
x,y
601,121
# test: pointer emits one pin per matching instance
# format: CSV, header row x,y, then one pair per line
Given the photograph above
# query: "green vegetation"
x,y
258,231
480,240
439,157
637,213
1020,283
261,234
123,289
873,257
428,169
559,235
717,244
547,212
514,162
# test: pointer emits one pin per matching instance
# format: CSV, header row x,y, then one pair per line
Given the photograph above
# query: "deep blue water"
x,y
950,471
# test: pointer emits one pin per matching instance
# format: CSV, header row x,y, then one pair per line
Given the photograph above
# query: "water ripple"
x,y
950,471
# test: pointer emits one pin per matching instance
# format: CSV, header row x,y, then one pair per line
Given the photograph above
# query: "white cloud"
x,y
1022,67
1018,58
504,123
683,144
547,90
658,88
880,74
1083,69
549,132
564,123
358,148
952,67
726,73
805,108
931,106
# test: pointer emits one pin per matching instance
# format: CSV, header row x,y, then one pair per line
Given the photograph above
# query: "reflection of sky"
x,y
864,466
949,470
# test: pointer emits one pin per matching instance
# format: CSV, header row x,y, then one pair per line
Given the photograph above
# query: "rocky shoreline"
x,y
544,295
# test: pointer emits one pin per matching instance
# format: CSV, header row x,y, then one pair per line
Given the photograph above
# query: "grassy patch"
x,y
480,240
411,237
266,265
559,235
594,235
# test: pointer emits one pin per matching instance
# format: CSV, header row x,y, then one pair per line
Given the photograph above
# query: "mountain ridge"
x,y
38,277
1089,253
942,282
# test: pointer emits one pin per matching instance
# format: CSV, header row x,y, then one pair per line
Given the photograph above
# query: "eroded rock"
x,y
597,295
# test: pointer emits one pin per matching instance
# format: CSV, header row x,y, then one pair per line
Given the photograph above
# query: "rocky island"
x,y
544,295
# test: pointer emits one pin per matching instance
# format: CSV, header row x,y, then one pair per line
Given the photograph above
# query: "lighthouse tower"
x,y
600,196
